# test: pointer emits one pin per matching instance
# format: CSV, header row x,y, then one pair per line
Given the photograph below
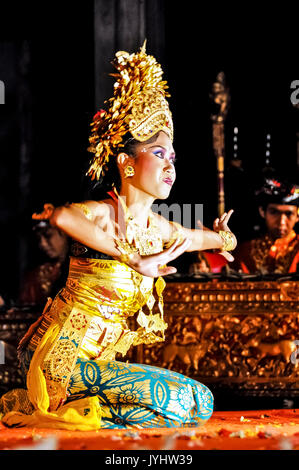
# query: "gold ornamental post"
x,y
221,98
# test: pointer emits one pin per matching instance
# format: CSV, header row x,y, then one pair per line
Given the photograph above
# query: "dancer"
x,y
120,253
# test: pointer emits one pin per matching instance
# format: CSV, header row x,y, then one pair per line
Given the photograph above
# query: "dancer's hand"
x,y
154,265
222,224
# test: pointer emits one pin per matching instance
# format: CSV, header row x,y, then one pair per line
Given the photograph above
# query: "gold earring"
x,y
129,171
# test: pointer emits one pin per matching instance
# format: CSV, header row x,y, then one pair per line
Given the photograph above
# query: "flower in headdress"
x,y
99,115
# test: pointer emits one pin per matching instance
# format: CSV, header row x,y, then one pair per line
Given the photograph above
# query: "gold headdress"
x,y
138,106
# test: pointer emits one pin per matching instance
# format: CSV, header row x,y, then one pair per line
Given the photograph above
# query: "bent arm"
x,y
201,239
75,224
72,221
206,239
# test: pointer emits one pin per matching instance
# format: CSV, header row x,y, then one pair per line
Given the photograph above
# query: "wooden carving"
x,y
231,333
220,99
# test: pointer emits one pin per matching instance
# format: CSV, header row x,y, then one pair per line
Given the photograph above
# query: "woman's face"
x,y
154,167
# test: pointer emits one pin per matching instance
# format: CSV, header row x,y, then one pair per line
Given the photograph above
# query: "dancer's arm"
x,y
201,239
87,231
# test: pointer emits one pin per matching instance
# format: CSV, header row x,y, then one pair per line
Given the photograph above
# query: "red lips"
x,y
168,181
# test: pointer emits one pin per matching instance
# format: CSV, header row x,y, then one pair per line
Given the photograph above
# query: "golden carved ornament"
x,y
230,332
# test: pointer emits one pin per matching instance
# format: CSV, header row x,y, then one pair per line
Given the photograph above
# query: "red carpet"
x,y
226,430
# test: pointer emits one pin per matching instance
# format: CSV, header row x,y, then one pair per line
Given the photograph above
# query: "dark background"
x,y
54,61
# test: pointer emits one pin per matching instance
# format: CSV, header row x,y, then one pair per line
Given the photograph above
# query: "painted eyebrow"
x,y
162,146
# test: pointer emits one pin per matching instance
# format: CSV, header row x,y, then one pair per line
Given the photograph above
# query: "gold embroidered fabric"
x,y
92,311
146,240
88,320
270,256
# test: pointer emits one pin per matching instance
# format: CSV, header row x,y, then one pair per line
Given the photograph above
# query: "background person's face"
x,y
52,242
280,219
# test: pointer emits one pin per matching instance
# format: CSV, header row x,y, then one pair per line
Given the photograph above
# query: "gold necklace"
x,y
147,240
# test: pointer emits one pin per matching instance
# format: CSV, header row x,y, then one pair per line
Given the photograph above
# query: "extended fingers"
x,y
216,225
227,216
46,214
200,224
174,251
178,250
41,216
230,212
224,220
227,256
177,243
167,270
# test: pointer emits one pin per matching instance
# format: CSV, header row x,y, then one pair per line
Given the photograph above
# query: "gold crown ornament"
x,y
138,106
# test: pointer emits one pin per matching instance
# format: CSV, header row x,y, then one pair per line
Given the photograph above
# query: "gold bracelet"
x,y
127,251
228,240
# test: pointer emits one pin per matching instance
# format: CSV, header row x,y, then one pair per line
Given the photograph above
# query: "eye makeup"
x,y
160,152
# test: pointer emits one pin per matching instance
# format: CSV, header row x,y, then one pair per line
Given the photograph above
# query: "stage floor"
x,y
226,430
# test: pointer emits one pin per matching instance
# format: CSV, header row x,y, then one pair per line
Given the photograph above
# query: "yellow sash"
x,y
83,415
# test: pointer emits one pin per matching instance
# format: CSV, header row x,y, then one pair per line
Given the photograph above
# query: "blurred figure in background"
x,y
50,273
207,262
200,265
277,249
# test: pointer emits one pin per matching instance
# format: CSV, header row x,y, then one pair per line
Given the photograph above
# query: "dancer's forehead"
x,y
162,141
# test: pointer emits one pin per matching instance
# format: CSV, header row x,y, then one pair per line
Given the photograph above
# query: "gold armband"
x,y
127,251
86,211
228,240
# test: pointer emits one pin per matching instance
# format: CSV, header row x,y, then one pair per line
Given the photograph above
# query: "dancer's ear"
x,y
123,160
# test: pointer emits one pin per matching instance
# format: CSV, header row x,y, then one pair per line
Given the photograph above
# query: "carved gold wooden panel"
x,y
238,334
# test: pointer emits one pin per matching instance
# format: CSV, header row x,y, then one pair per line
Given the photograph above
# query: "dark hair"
x,y
98,190
277,190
